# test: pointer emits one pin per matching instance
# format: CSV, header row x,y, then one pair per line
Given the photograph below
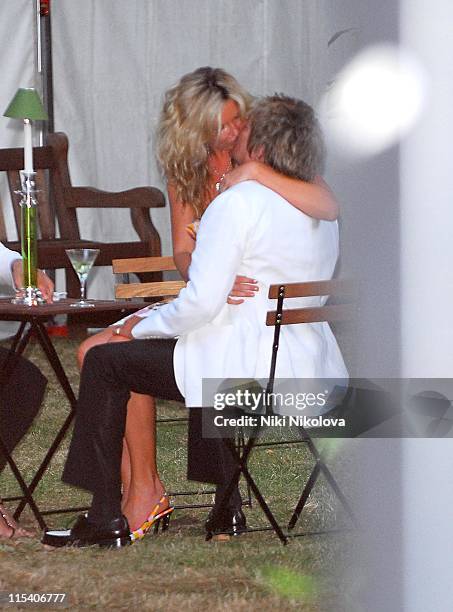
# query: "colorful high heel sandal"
x,y
155,519
16,530
7,522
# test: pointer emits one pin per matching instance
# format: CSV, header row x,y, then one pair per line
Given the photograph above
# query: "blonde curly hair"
x,y
190,120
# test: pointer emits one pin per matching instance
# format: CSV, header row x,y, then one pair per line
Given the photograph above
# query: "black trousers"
x,y
22,388
110,373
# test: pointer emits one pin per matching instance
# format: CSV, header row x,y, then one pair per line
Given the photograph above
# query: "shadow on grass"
x,y
178,569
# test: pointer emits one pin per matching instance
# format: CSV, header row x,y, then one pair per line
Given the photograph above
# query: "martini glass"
x,y
82,261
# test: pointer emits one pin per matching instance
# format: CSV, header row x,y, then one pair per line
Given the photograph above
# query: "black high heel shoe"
x,y
112,534
229,522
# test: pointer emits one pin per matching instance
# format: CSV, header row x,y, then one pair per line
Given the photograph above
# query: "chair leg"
x,y
242,469
264,507
339,493
320,466
305,494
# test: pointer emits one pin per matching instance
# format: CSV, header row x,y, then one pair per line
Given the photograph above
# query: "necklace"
x,y
220,175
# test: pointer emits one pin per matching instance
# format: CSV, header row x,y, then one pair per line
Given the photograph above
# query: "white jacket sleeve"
x,y
221,241
6,259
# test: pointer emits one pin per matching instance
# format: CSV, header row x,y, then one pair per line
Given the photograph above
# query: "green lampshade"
x,y
26,104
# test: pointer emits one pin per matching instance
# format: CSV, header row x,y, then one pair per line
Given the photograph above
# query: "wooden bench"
x,y
58,201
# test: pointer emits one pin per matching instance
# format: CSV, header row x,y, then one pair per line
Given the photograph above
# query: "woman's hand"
x,y
247,171
243,287
124,332
315,199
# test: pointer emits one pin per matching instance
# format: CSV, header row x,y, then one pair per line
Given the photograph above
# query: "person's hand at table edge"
x,y
45,284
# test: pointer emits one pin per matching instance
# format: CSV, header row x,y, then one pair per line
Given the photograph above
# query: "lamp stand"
x,y
29,295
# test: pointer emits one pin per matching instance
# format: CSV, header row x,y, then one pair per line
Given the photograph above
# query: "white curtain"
x,y
17,69
113,60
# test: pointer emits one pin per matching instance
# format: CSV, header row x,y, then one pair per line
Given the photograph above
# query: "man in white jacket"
x,y
22,388
248,230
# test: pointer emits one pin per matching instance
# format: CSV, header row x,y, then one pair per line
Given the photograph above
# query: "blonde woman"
x,y
201,119
200,122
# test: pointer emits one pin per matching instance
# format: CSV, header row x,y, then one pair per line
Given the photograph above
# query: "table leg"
x,y
27,494
16,349
55,362
17,337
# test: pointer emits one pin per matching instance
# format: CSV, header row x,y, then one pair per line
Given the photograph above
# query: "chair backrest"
x,y
139,199
51,165
335,289
148,290
342,294
58,201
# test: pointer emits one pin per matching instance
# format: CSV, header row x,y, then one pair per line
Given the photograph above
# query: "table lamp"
x,y
27,105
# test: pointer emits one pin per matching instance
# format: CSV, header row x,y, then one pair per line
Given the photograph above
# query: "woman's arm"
x,y
183,245
314,199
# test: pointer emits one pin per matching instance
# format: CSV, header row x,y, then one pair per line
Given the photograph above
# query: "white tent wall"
x,y
113,61
17,69
427,296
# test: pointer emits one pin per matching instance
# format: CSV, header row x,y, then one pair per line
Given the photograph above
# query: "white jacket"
x,y
248,230
6,259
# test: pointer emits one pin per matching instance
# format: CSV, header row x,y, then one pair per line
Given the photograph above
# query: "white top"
x,y
248,230
6,259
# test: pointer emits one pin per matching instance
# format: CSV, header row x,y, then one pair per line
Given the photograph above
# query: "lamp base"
x,y
29,296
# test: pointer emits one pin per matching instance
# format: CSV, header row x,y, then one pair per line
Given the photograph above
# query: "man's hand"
x,y
243,287
125,330
45,284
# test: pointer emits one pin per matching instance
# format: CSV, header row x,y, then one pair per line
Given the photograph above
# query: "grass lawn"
x,y
178,569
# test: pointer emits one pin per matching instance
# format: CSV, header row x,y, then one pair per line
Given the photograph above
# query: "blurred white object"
x,y
59,295
374,101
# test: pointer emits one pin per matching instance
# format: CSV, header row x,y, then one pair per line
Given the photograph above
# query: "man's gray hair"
x,y
287,132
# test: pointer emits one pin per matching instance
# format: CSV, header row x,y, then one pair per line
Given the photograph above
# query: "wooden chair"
x,y
140,265
149,290
159,289
58,201
338,309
